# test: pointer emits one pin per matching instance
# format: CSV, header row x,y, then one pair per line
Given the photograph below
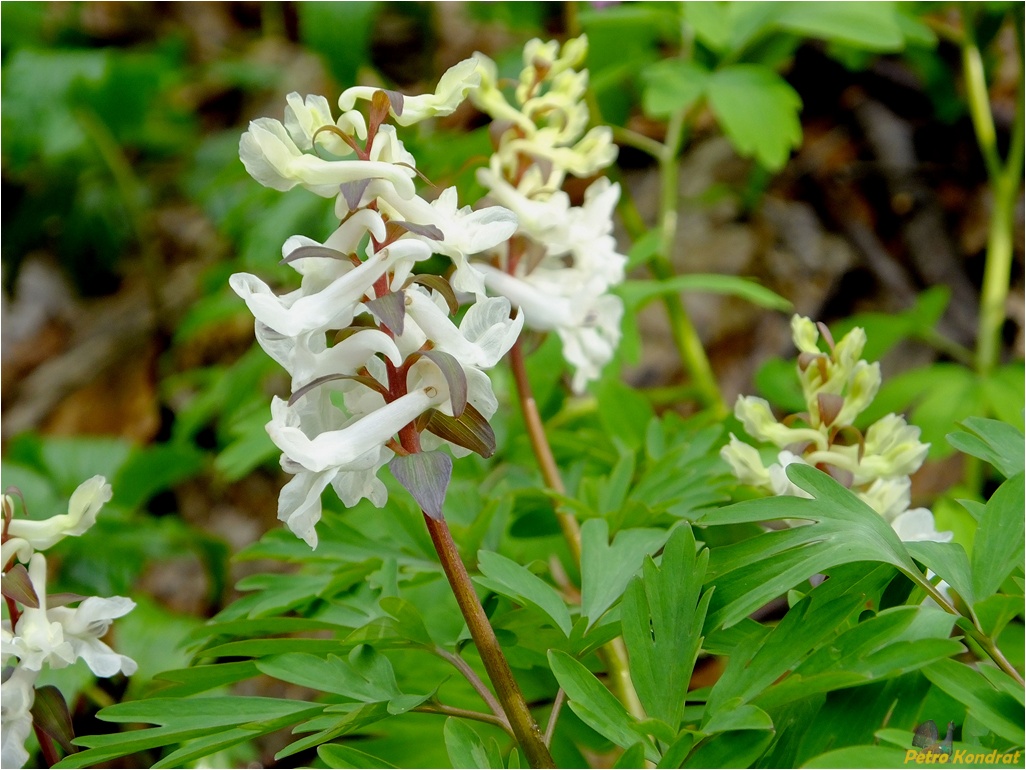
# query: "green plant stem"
x,y
976,633
998,657
475,681
513,704
557,706
685,336
1005,179
542,451
613,653
452,711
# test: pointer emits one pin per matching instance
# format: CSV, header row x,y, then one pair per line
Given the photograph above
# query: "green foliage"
x,y
662,619
838,638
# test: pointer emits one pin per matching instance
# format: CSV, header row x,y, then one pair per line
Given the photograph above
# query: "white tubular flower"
x,y
863,384
805,334
916,525
85,503
544,219
779,482
306,364
746,463
758,420
464,232
272,158
305,118
37,639
19,693
358,383
86,624
332,288
355,447
888,497
587,321
452,89
892,448
58,637
344,453
483,337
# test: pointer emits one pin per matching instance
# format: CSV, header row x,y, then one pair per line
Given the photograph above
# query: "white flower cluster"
x,y
43,635
837,386
374,356
563,261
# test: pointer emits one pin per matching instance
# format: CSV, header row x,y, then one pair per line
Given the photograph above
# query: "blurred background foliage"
x,y
126,209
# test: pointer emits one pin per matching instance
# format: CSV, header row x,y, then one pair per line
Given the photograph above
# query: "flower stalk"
x,y
512,699
613,653
1005,179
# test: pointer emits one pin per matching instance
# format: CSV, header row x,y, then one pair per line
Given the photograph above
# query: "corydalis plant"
x,y
563,260
379,369
41,631
380,372
838,386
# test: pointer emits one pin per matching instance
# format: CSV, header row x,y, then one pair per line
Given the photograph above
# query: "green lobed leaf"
x,y
859,756
671,85
636,293
183,719
998,710
872,26
1000,538
631,758
595,705
465,747
662,616
366,675
154,469
710,22
181,682
759,662
355,718
758,111
409,621
341,755
606,568
506,577
624,412
738,716
998,443
844,530
738,748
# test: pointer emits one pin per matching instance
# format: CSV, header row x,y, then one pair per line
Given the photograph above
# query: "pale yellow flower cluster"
x,y
837,385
